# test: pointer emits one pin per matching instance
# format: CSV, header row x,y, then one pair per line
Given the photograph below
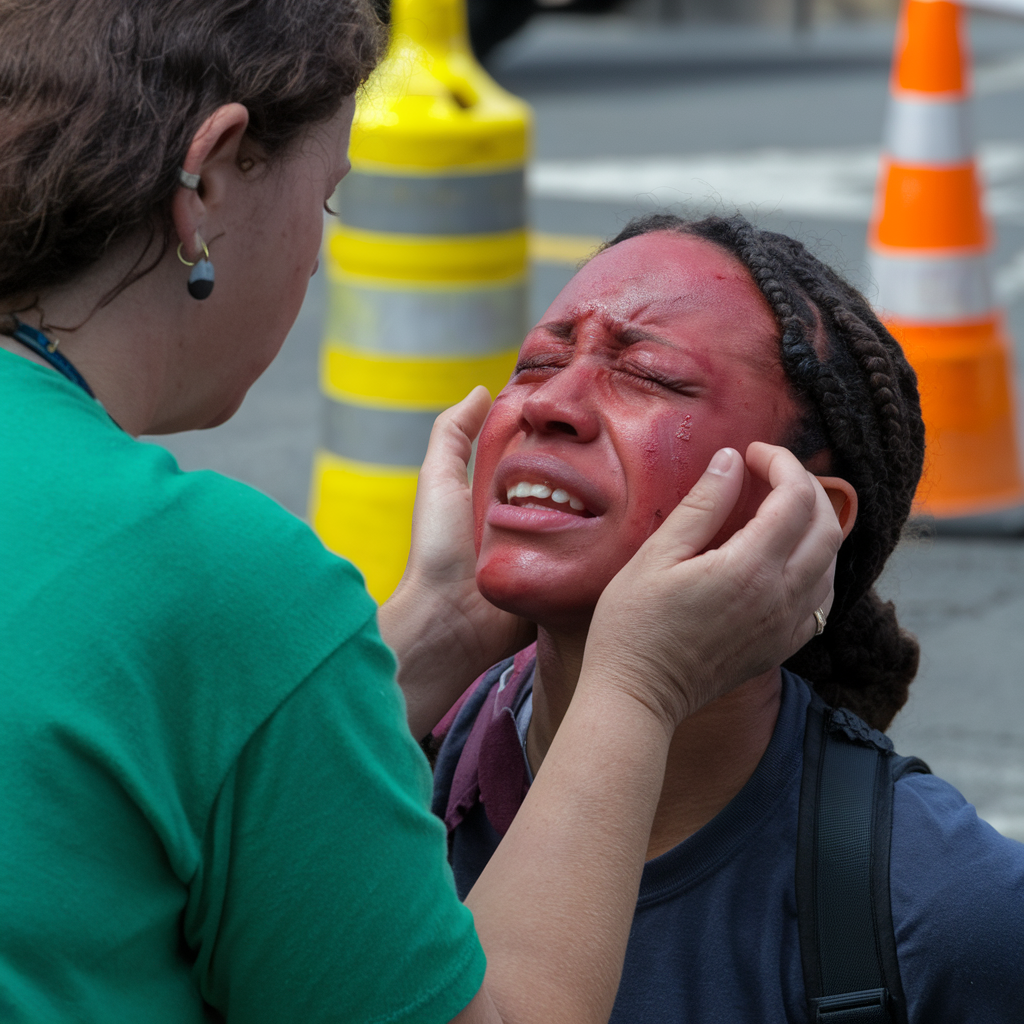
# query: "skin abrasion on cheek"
x,y
669,463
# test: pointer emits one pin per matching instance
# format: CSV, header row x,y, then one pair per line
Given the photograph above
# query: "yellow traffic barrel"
x,y
427,278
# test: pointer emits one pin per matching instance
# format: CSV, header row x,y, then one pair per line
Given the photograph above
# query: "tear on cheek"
x,y
683,433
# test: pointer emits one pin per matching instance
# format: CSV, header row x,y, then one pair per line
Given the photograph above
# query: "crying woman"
x,y
677,339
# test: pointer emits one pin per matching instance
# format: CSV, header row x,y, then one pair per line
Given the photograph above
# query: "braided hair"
x,y
859,405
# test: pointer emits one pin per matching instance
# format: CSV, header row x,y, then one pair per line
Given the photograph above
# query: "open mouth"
x,y
540,496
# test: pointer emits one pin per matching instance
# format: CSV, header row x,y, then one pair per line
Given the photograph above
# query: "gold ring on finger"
x,y
819,618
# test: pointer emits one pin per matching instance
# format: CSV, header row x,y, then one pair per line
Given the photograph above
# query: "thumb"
x,y
451,438
694,522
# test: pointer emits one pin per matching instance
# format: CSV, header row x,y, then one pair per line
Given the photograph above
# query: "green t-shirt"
x,y
209,796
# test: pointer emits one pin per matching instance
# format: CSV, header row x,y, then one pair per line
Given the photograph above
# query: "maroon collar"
x,y
492,769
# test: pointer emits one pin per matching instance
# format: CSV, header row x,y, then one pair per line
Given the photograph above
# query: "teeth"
x,y
559,495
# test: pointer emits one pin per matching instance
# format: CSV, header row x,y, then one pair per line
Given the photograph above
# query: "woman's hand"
x,y
444,633
680,628
673,630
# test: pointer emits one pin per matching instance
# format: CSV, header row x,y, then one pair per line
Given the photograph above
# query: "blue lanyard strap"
x,y
46,349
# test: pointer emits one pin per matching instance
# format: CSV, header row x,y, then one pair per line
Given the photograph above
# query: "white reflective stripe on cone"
x,y
931,289
926,131
475,321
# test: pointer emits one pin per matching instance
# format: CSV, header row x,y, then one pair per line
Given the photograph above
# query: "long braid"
x,y
860,405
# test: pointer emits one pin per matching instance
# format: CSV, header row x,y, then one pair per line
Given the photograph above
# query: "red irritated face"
x,y
660,351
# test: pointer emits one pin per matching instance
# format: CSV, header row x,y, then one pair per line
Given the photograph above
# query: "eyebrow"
x,y
626,336
559,328
632,335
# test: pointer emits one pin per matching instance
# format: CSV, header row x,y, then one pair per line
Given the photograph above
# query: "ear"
x,y
213,155
844,501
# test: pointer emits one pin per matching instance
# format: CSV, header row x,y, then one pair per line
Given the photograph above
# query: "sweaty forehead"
x,y
662,276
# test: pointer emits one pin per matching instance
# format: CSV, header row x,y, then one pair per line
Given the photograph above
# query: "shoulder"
x,y
121,509
238,538
932,820
957,890
247,588
936,831
212,553
186,599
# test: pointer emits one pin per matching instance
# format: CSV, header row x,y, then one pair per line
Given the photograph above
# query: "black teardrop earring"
x,y
200,281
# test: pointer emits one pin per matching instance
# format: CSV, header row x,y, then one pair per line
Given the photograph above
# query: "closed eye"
x,y
549,361
662,381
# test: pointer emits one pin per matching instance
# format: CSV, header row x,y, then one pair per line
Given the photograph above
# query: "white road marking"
x,y
1006,75
1008,284
1010,825
1011,8
833,184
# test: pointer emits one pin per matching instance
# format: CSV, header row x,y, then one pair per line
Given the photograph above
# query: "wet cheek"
x,y
665,458
665,470
489,450
479,512
682,441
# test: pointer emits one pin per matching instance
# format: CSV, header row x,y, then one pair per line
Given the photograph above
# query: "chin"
x,y
543,601
225,414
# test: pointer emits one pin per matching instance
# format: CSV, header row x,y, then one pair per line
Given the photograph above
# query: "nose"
x,y
563,405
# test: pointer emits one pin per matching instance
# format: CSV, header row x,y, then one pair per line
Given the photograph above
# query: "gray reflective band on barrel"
x,y
385,437
937,289
928,131
455,322
453,205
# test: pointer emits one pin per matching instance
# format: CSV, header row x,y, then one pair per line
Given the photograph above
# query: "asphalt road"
x,y
632,119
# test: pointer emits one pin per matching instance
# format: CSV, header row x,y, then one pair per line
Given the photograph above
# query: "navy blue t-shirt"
x,y
715,933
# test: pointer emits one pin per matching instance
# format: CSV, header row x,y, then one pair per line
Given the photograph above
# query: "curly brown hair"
x,y
861,406
100,100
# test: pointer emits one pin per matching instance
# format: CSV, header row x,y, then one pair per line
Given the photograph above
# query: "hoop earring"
x,y
200,281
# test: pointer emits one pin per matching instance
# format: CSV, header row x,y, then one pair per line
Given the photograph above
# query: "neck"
x,y
112,374
712,755
133,351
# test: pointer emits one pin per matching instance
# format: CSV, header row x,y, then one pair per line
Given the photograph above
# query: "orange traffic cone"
x,y
928,250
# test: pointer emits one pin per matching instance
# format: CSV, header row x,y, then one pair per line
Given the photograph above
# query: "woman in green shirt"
x,y
213,801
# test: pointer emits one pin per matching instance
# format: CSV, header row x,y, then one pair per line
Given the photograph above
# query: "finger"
x,y
469,414
807,627
794,498
783,517
455,429
822,592
818,546
693,523
809,571
819,596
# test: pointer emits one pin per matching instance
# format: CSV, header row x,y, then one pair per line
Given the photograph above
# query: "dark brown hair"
x,y
861,406
100,99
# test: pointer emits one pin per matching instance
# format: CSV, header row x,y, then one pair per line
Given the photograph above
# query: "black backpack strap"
x,y
847,941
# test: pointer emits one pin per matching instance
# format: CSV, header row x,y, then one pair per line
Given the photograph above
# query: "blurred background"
x,y
774,107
